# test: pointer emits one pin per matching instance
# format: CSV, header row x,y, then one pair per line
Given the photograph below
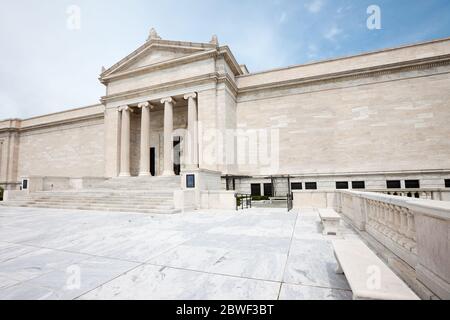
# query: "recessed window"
x,y
24,184
412,184
311,185
393,184
358,184
447,183
342,185
256,189
267,189
296,186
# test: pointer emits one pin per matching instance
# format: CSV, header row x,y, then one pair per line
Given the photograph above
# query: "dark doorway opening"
x,y
268,190
177,155
256,189
152,161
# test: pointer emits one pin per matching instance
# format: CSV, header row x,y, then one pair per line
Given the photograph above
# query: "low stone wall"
x,y
184,200
415,230
218,199
36,183
315,199
207,191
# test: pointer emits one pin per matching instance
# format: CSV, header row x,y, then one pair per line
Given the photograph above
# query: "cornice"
x,y
417,64
10,130
62,122
360,173
231,60
164,86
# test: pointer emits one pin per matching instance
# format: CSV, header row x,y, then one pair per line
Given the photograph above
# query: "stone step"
x,y
90,205
99,193
121,209
141,183
136,194
82,196
108,199
99,200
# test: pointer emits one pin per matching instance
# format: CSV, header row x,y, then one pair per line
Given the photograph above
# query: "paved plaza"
x,y
253,254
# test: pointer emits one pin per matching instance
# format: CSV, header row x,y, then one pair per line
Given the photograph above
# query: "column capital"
x,y
124,108
192,95
168,100
145,105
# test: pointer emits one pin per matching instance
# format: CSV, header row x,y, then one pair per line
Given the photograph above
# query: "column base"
x,y
125,174
145,174
168,174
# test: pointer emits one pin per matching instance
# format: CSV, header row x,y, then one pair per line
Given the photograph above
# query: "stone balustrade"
x,y
428,194
415,230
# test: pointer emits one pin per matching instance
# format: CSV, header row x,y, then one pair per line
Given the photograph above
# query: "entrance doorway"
x,y
153,161
177,155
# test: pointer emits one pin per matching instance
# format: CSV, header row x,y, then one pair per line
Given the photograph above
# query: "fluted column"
x,y
192,157
168,138
125,142
144,165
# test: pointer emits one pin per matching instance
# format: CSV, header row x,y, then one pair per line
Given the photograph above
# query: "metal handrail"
x,y
243,201
290,201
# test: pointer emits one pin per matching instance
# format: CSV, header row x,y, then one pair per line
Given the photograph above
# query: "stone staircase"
x,y
140,194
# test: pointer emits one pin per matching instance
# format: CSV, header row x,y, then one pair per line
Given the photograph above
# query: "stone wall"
x,y
66,150
361,126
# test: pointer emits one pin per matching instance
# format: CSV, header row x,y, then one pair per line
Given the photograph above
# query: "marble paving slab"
x,y
150,282
212,254
312,262
248,264
299,292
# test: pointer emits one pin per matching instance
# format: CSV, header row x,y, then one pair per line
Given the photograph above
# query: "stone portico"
x,y
156,138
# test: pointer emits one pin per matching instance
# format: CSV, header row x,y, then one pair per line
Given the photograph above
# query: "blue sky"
x,y
46,67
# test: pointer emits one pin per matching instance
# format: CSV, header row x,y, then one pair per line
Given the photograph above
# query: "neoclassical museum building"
x,y
190,113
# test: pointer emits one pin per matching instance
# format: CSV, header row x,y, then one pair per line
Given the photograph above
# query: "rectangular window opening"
x,y
340,185
296,186
412,184
311,185
393,184
358,184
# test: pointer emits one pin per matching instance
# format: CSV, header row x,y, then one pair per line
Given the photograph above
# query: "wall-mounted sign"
x,y
190,181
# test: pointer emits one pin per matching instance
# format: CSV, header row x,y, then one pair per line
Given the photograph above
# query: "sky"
x,y
51,56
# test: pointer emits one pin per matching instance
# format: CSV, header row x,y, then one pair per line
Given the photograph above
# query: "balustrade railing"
x,y
393,221
414,230
427,194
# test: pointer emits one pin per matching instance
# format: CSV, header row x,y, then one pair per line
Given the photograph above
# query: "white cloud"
x,y
315,6
332,33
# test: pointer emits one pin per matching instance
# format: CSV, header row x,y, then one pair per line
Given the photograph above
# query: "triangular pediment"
x,y
156,52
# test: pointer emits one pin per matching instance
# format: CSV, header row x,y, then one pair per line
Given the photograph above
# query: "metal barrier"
x,y
290,201
243,201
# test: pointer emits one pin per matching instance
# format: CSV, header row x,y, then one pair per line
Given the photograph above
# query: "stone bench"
x,y
330,221
368,276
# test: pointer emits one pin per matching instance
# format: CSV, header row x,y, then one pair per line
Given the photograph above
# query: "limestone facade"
x,y
372,117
